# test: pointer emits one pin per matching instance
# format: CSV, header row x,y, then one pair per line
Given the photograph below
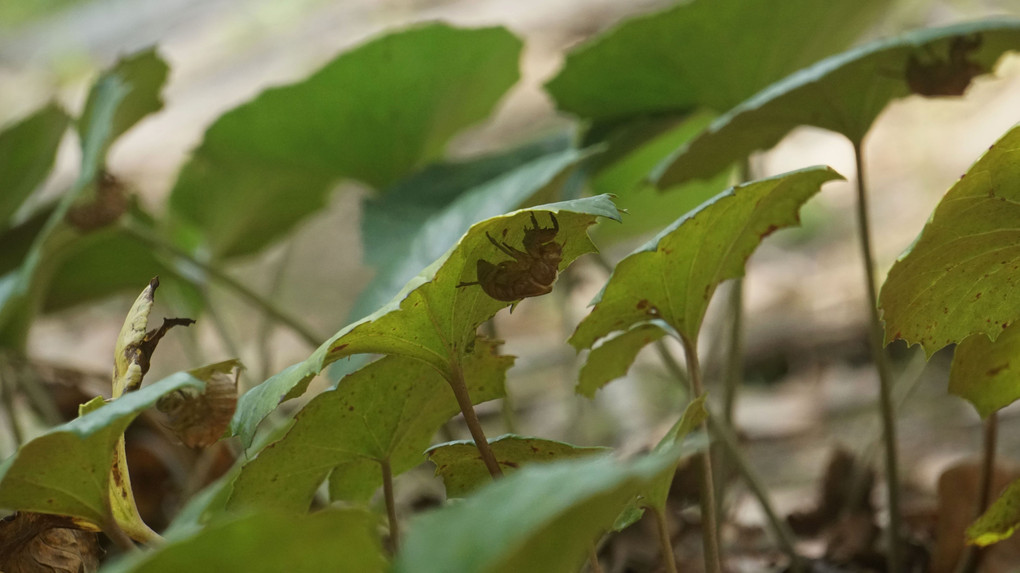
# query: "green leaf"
x,y
27,150
673,276
986,373
22,289
623,170
386,412
843,93
67,470
328,540
143,74
431,320
611,359
542,518
462,471
959,277
416,222
1000,521
677,59
373,114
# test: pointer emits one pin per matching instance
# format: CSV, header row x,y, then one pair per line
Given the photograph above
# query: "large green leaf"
x,y
119,98
999,521
712,53
416,222
544,517
27,150
144,74
373,114
843,93
342,540
463,471
431,320
960,277
623,170
673,276
986,373
67,470
22,289
386,412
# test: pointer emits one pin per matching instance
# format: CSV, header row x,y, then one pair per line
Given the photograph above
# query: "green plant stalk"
x,y
882,366
391,505
972,555
734,373
665,546
244,292
709,519
744,468
779,527
460,391
909,379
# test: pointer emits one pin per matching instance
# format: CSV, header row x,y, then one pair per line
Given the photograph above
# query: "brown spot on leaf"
x,y
338,348
642,304
997,369
768,231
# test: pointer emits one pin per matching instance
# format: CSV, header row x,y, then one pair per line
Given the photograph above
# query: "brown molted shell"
x,y
199,419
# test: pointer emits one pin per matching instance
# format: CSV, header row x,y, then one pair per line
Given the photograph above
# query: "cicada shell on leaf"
x,y
199,419
530,272
949,76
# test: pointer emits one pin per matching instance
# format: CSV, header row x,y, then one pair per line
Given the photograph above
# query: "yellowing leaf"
x,y
1000,521
960,278
672,278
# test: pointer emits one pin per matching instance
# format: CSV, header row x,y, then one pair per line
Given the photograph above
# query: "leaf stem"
x,y
882,366
779,527
972,556
709,519
746,471
150,239
391,506
665,546
460,391
734,374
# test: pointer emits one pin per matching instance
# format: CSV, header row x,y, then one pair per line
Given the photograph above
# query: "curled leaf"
x,y
135,345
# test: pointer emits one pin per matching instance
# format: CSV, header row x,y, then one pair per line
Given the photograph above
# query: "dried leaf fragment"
x,y
31,542
199,419
135,345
